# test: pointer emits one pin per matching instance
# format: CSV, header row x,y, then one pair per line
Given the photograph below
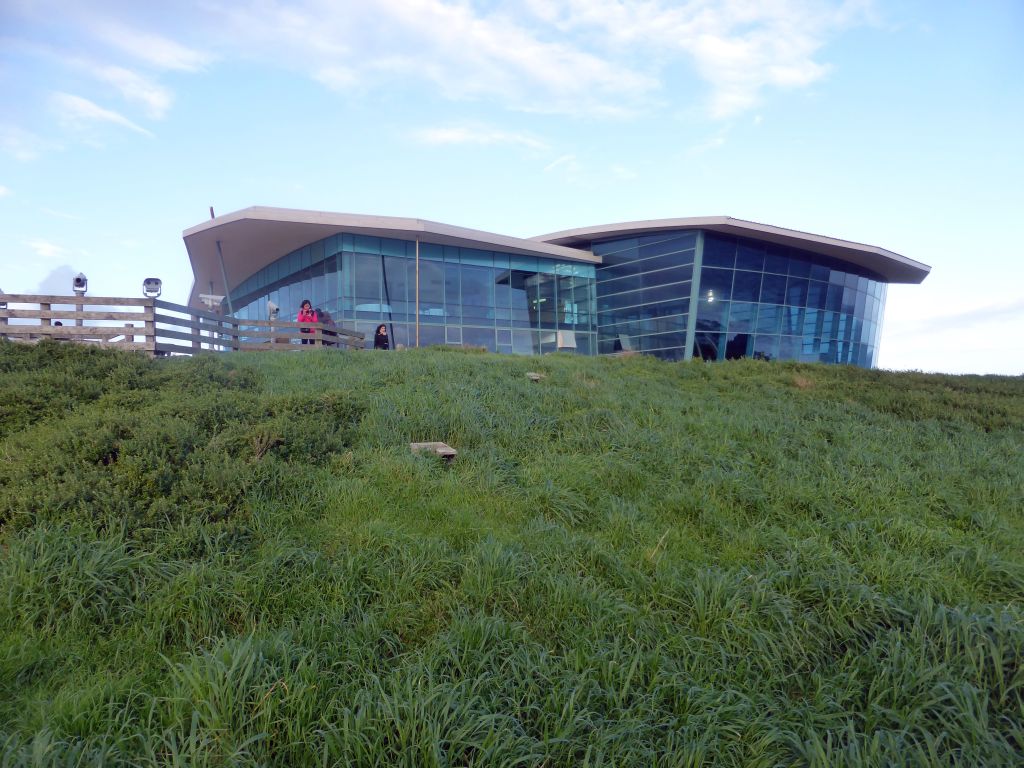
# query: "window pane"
x,y
773,289
746,286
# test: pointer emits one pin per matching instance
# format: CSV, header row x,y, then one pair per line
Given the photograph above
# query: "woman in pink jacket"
x,y
307,315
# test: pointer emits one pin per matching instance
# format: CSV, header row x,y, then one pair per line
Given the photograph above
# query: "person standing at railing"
x,y
307,315
330,334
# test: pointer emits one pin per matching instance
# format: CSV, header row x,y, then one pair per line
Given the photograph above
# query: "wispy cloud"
x,y
79,112
153,49
714,142
476,135
20,144
464,50
962,319
46,250
738,47
155,98
4,191
567,162
62,215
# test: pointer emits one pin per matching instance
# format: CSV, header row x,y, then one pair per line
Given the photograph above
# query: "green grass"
x,y
236,560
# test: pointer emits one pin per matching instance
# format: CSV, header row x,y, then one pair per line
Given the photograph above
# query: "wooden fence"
x,y
157,327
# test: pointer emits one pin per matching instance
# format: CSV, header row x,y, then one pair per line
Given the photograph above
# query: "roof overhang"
x,y
892,267
252,238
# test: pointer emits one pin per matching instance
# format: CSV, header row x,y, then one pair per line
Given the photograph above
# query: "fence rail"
x,y
158,327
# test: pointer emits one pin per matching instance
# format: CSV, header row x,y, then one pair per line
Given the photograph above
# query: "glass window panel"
x,y
430,335
525,343
477,286
662,340
367,279
789,347
792,320
390,247
769,318
819,272
739,345
431,288
766,347
796,291
611,247
746,286
835,277
681,259
773,289
742,316
834,299
621,284
750,256
712,316
816,294
453,292
715,284
776,259
681,243
812,322
799,267
849,299
718,252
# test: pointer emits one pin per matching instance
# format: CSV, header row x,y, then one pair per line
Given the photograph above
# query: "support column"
x,y
224,277
691,315
417,292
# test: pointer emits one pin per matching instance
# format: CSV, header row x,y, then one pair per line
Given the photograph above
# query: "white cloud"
x,y
477,135
622,173
461,49
20,144
739,47
46,250
715,142
79,112
154,98
62,214
153,49
565,162
4,191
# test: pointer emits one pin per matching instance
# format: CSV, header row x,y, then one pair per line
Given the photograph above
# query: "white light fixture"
x,y
152,287
211,300
711,297
80,284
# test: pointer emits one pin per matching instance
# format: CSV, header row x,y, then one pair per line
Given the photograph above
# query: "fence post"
x,y
149,315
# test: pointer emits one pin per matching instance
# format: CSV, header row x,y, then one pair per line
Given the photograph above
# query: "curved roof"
x,y
254,237
893,267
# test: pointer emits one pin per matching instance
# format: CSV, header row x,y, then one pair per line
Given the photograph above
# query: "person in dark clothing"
x,y
330,335
380,338
307,315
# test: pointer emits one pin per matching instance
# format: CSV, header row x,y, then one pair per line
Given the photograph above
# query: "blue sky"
x,y
895,123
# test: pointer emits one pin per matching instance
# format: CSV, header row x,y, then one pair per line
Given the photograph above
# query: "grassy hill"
x,y
236,560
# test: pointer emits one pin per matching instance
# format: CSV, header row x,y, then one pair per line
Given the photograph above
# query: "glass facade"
x,y
678,295
762,300
673,294
467,296
643,293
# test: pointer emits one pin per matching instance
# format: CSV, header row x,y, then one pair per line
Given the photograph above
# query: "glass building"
x,y
715,288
